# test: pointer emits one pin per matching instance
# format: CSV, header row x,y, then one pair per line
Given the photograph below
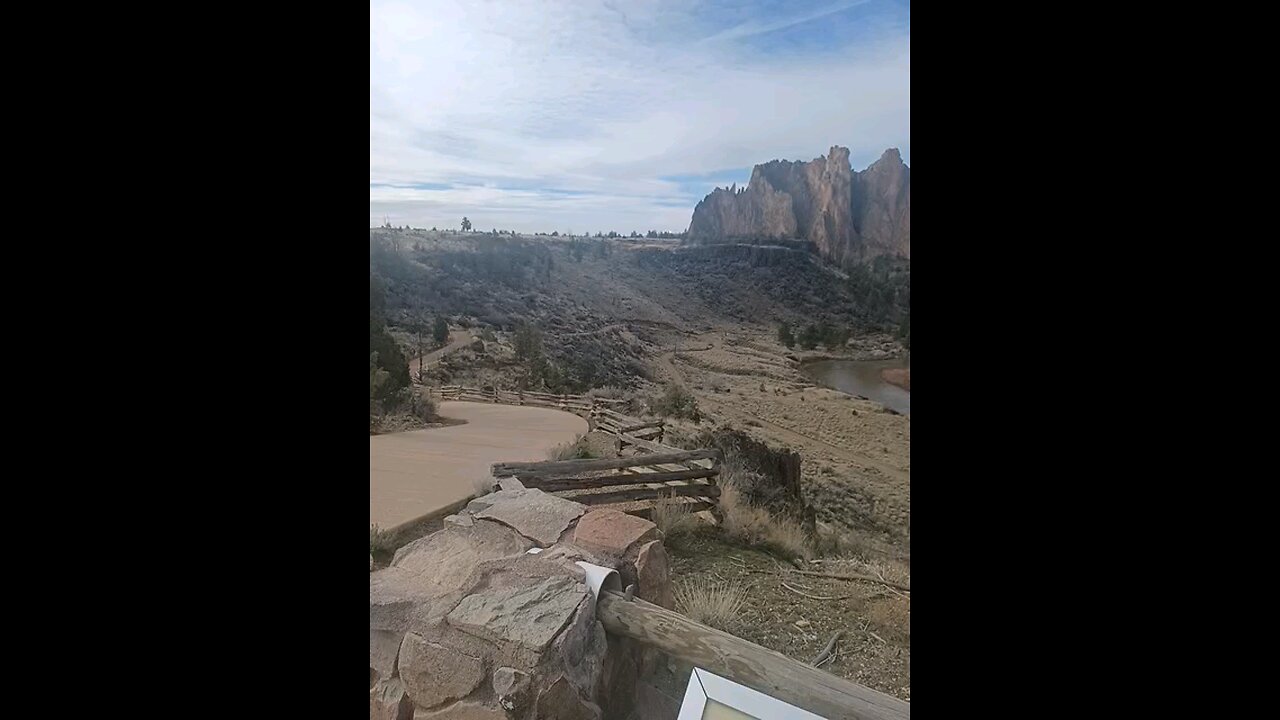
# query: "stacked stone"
x,y
468,623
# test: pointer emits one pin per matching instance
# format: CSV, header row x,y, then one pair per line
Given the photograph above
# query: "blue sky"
x,y
596,115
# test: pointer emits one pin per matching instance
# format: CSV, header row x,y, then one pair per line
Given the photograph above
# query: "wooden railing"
x,y
646,476
745,662
580,404
654,471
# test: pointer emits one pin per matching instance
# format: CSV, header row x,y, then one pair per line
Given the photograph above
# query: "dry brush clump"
x,y
892,615
380,543
675,401
708,601
673,517
579,449
753,525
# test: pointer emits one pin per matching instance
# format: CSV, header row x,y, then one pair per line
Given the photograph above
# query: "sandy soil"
x,y
857,458
412,474
875,649
897,376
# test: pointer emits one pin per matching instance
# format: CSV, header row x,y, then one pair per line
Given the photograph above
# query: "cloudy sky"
x,y
598,115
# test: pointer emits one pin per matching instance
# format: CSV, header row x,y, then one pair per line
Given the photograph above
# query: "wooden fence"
x,y
645,476
653,470
580,404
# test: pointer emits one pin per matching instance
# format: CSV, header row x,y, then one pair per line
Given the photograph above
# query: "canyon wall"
x,y
851,217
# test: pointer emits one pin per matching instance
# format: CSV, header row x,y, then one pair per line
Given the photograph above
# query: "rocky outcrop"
x,y
490,617
849,217
881,205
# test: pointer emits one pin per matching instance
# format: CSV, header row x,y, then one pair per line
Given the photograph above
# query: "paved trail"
x,y
412,474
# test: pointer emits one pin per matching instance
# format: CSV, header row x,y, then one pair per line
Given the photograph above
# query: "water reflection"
x,y
862,377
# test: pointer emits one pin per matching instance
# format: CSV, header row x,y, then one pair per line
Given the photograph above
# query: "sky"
x,y
587,116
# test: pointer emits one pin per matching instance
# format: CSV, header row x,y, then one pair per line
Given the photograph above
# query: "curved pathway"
x,y
413,474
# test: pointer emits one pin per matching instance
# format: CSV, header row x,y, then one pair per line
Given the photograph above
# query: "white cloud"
x,y
577,96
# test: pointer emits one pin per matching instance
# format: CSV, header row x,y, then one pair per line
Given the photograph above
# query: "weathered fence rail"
x,y
639,477
745,662
655,471
580,404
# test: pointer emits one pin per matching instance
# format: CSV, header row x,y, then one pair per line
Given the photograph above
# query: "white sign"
x,y
711,697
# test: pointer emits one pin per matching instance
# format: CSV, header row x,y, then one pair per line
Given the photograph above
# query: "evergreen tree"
x,y
784,335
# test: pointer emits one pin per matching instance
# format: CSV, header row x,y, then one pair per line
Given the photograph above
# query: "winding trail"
x,y
464,338
416,473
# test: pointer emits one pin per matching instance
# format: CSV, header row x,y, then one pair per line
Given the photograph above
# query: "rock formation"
x,y
849,217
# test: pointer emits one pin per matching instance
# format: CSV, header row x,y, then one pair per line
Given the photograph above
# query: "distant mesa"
x,y
851,217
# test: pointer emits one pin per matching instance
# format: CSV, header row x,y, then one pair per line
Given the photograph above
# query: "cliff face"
x,y
850,217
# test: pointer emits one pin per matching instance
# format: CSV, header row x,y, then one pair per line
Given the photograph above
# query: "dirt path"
x,y
465,339
412,474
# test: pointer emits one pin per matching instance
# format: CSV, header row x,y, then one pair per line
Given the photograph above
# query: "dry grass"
x,y
709,602
380,543
751,525
673,517
576,450
892,615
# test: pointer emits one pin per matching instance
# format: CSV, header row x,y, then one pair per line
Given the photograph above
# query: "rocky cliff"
x,y
849,216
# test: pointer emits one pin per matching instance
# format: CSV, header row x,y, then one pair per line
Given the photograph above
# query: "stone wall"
x,y
490,617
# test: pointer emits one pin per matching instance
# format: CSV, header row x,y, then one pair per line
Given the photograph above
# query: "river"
x,y
862,377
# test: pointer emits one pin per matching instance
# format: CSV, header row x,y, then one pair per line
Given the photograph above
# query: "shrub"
x,y
673,517
677,402
784,335
380,543
579,449
709,602
754,526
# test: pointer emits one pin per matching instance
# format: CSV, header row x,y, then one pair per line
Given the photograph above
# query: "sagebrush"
x,y
708,601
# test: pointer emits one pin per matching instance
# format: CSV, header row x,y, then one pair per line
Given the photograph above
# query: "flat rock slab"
x,y
532,513
528,615
612,532
444,558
